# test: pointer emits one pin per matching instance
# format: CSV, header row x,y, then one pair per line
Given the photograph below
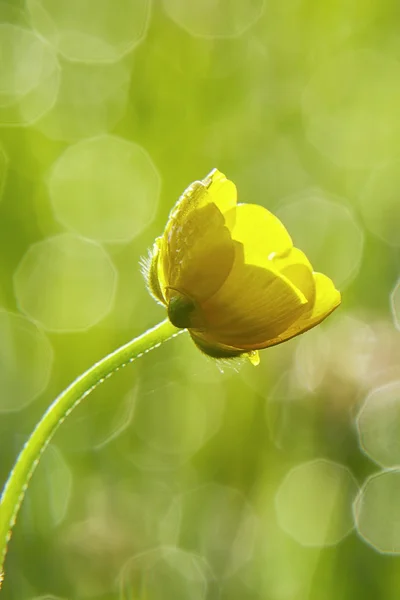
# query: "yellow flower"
x,y
229,273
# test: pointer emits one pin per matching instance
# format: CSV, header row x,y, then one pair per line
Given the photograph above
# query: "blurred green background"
x,y
176,480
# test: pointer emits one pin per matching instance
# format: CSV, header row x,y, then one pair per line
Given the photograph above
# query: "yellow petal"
x,y
195,233
253,305
296,267
261,233
154,274
194,197
200,254
221,190
214,188
327,299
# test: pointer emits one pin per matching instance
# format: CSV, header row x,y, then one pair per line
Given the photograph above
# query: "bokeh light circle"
x,y
209,18
380,203
336,244
91,100
350,108
91,31
314,503
55,476
312,356
26,359
215,521
377,512
105,188
175,419
395,304
65,283
378,424
29,76
165,573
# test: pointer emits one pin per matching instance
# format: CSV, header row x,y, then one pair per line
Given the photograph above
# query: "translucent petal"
x,y
153,274
296,267
162,282
201,254
221,190
194,197
253,305
215,190
261,233
326,300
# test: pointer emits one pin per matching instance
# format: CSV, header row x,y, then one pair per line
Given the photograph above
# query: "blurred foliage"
x,y
175,480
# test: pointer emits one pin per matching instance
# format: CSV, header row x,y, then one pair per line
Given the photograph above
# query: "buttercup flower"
x,y
230,274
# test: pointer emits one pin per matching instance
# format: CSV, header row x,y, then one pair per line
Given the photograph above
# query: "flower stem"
x,y
62,406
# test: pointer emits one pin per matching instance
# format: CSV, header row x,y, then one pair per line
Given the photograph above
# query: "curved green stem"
x,y
29,457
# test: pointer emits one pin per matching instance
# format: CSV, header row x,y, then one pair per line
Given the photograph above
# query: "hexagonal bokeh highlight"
x,y
225,18
377,512
175,420
215,521
395,304
379,203
65,283
93,31
105,188
92,99
345,349
26,359
165,573
378,425
55,476
314,503
339,256
350,107
312,356
29,76
354,344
